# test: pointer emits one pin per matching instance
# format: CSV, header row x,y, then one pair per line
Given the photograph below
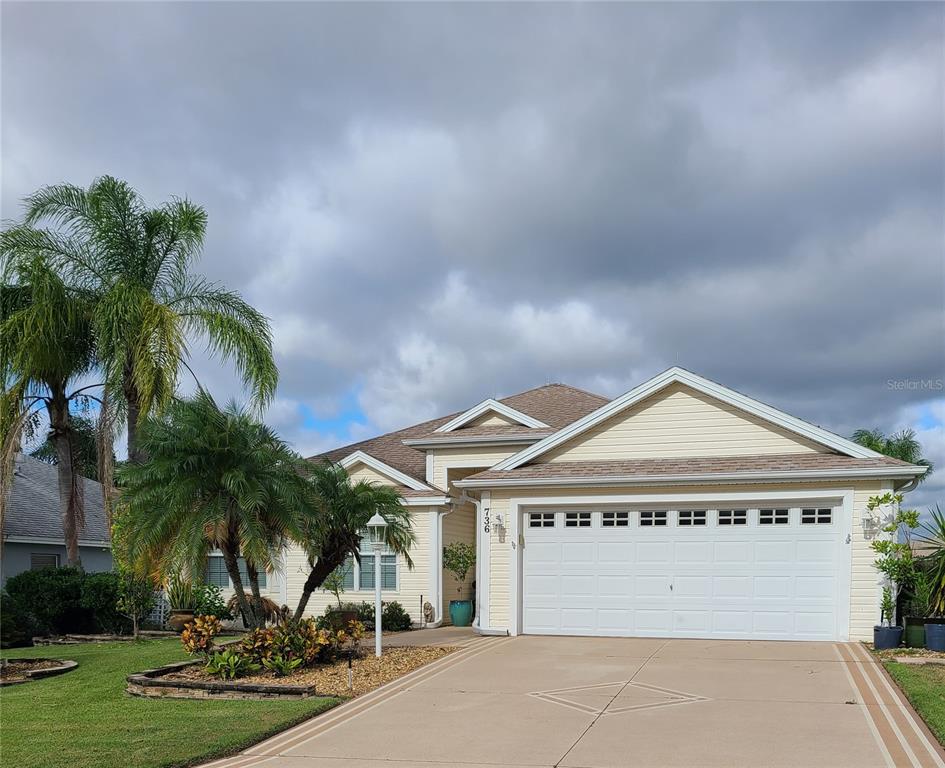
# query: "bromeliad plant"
x,y
896,559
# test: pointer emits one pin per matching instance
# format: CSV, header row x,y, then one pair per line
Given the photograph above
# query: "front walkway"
x,y
609,703
439,636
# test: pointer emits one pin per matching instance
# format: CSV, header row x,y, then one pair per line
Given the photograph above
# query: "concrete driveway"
x,y
599,702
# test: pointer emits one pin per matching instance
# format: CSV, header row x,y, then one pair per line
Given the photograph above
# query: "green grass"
x,y
84,718
924,686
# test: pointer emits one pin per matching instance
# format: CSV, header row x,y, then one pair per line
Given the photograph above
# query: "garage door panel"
x,y
751,581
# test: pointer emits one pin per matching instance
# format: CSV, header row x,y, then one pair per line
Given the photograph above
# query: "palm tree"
x,y
332,530
137,260
45,346
900,445
932,537
85,444
215,479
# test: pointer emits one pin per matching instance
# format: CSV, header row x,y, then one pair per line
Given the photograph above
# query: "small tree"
x,y
896,560
458,558
136,596
335,581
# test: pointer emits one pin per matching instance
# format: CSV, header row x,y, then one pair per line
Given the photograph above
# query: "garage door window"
x,y
692,517
733,517
615,519
819,516
651,517
577,519
541,520
773,516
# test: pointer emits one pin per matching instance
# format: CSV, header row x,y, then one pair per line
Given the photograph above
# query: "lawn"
x,y
924,686
84,718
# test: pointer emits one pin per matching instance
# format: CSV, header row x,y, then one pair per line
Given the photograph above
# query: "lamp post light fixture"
x,y
377,527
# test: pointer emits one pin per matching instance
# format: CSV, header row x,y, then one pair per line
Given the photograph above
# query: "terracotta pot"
x,y
178,618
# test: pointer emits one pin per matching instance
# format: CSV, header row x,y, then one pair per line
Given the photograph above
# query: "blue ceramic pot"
x,y
935,637
461,612
885,638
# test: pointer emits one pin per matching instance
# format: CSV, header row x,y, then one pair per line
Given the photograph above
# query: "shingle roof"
x,y
555,404
715,465
33,506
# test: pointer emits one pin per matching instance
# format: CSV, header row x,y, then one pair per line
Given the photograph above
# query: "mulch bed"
x,y
368,672
22,670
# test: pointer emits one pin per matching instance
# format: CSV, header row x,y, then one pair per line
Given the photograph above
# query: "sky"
x,y
439,203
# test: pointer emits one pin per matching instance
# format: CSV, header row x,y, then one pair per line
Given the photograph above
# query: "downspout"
x,y
438,605
465,497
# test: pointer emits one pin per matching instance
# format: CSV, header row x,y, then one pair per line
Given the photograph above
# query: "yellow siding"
x,y
413,583
491,419
484,457
865,584
460,525
360,471
679,421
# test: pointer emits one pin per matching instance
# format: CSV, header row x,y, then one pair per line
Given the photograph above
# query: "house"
x,y
32,527
679,509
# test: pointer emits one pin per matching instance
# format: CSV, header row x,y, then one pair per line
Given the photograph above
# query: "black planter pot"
x,y
935,637
885,638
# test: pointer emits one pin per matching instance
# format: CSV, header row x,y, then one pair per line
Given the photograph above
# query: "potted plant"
x,y
458,558
180,596
896,562
340,616
932,538
919,611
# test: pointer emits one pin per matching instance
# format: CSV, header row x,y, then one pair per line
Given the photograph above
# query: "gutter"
x,y
716,477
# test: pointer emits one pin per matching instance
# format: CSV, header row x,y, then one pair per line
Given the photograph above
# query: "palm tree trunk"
x,y
231,560
133,401
70,497
316,577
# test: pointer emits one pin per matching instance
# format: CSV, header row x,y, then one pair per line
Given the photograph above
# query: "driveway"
x,y
602,702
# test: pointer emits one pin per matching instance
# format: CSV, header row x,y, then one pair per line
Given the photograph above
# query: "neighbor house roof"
x,y
702,469
554,404
33,506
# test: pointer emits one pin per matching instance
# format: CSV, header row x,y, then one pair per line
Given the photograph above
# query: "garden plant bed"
x,y
191,680
23,670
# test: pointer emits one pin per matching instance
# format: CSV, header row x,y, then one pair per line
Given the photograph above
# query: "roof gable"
x,y
477,413
793,435
378,467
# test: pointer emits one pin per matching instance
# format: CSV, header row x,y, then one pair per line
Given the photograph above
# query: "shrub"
x,y
16,624
229,664
394,618
52,598
298,640
180,593
100,595
198,635
208,601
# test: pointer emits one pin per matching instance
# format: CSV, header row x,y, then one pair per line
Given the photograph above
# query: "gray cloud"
x,y
441,202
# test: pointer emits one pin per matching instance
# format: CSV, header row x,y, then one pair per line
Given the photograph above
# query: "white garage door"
x,y
769,573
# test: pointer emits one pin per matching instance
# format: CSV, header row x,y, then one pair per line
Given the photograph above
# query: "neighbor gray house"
x,y
32,529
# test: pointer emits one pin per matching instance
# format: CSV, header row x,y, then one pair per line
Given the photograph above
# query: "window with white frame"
x,y
652,517
692,517
774,516
816,516
40,560
541,519
733,517
615,519
577,519
216,573
361,577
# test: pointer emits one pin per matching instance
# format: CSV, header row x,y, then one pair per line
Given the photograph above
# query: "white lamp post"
x,y
377,526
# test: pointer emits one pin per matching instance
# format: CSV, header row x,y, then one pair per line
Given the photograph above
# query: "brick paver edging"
x,y
66,665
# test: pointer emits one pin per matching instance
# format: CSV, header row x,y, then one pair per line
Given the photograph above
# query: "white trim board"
x,y
385,469
485,407
518,506
712,389
54,541
769,476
